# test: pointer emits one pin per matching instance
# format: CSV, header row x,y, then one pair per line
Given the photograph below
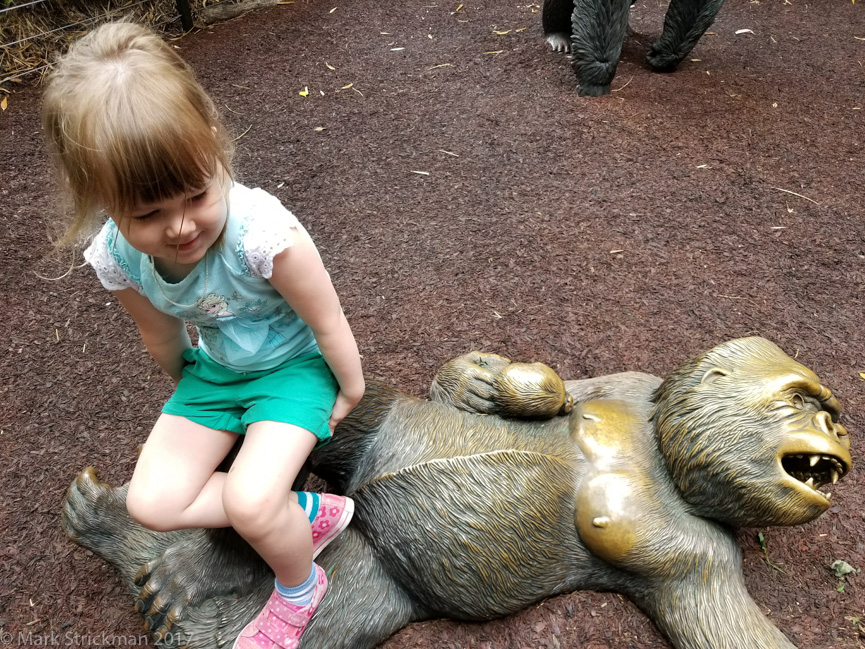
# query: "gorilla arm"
x,y
684,571
488,384
710,608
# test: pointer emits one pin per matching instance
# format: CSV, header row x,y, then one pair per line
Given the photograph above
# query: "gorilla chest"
x,y
621,505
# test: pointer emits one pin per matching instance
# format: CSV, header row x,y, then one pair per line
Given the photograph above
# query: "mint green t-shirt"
x,y
243,323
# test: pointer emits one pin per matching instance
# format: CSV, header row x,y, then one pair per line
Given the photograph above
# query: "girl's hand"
x,y
341,407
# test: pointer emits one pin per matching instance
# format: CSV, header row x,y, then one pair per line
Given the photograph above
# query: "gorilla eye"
x,y
798,401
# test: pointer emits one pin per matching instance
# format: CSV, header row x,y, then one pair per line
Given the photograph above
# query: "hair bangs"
x,y
162,147
129,125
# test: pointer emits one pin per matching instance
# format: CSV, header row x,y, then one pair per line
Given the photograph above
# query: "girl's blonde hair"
x,y
128,123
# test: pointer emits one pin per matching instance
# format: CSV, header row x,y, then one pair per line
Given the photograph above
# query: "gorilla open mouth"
x,y
814,470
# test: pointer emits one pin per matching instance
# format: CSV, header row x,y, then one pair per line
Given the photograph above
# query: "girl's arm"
x,y
164,335
302,280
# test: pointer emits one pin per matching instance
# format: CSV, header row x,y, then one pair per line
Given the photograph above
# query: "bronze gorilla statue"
x,y
466,509
594,31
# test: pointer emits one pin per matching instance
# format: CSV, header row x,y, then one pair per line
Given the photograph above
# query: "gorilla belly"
x,y
476,537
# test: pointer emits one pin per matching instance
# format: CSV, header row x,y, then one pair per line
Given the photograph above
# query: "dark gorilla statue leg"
x,y
598,30
594,30
349,620
685,23
167,573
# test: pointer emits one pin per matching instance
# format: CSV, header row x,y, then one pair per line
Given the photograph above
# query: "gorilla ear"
x,y
714,374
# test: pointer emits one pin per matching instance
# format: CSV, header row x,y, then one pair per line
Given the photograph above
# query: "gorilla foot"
x,y
594,76
663,61
199,565
591,90
559,42
94,514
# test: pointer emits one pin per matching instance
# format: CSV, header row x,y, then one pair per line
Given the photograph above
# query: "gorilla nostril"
x,y
825,423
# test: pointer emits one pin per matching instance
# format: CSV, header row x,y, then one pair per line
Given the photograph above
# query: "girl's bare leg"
x,y
175,485
259,503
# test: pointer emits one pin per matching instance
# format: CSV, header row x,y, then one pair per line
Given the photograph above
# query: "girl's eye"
x,y
198,197
142,217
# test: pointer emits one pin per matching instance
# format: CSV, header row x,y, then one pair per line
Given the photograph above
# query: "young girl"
x,y
138,139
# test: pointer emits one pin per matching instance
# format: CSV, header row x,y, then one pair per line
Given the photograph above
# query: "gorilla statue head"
x,y
750,436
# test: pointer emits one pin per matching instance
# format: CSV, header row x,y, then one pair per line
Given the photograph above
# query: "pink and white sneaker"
x,y
334,515
281,623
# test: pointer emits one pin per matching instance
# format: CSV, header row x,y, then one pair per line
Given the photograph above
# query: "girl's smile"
x,y
178,231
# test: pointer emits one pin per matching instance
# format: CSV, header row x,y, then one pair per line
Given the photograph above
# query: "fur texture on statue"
x,y
594,30
466,514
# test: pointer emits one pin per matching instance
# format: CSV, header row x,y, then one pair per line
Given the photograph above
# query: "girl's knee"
x,y
251,511
149,509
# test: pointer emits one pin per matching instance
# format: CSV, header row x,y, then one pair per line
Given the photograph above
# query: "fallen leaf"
x,y
494,52
347,87
422,173
304,92
457,10
441,65
862,375
841,568
3,103
329,66
332,10
319,129
744,31
397,49
614,252
507,31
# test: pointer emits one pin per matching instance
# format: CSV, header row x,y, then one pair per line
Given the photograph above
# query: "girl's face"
x,y
177,232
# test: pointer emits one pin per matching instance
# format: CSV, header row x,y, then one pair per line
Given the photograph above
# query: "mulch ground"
x,y
464,197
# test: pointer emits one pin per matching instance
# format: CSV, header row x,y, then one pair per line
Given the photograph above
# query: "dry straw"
x,y
34,32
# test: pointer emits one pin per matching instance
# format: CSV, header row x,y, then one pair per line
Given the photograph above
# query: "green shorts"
x,y
301,392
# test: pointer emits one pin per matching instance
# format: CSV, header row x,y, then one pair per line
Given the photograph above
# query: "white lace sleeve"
x,y
270,230
107,269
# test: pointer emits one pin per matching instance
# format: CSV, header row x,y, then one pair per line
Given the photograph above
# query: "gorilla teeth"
x,y
814,470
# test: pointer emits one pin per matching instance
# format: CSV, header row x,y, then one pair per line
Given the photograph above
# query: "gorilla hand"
x,y
489,384
200,566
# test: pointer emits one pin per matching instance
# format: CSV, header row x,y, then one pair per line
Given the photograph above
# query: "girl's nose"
x,y
177,223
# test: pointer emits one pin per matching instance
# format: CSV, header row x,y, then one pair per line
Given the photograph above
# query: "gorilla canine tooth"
x,y
834,476
814,459
810,482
